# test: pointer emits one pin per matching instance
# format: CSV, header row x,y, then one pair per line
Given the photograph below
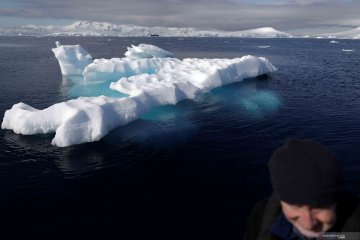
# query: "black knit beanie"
x,y
304,172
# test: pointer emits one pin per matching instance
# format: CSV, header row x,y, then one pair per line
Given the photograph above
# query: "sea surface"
x,y
195,169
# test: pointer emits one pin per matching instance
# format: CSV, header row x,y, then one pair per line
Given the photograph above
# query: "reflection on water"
x,y
158,135
75,162
37,149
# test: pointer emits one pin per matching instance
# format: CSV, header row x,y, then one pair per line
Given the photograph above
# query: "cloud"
x,y
206,14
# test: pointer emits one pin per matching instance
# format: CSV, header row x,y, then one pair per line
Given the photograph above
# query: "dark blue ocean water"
x,y
200,165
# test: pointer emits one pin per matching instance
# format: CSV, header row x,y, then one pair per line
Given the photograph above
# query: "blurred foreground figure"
x,y
308,199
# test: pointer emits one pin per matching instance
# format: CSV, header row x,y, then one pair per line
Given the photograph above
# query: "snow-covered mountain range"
x,y
88,28
349,34
91,28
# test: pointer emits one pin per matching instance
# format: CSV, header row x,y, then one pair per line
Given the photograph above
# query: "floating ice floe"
x,y
148,81
333,41
348,50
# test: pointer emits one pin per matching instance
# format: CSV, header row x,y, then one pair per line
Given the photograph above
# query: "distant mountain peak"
x,y
267,29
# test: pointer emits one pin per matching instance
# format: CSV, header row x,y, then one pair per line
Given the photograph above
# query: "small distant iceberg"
x,y
348,50
147,76
333,41
264,46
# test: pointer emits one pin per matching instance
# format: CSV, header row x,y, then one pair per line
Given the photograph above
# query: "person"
x,y
308,198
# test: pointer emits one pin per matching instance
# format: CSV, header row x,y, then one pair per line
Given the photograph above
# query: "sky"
x,y
228,15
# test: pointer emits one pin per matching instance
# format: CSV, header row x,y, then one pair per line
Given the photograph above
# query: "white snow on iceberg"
x,y
116,68
149,82
348,50
203,74
146,51
72,58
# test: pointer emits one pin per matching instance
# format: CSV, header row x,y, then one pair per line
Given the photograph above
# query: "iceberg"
x,y
149,78
348,50
72,58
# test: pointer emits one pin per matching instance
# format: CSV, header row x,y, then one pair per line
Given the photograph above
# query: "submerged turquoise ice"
x,y
114,92
80,88
260,103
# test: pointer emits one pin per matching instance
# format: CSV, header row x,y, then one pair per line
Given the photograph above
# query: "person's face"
x,y
310,222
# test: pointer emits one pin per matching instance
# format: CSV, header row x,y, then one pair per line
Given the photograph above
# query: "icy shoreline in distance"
x,y
98,29
147,75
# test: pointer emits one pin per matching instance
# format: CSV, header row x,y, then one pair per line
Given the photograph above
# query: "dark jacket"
x,y
266,213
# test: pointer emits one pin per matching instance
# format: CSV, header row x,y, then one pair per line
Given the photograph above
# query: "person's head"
x,y
306,177
309,221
